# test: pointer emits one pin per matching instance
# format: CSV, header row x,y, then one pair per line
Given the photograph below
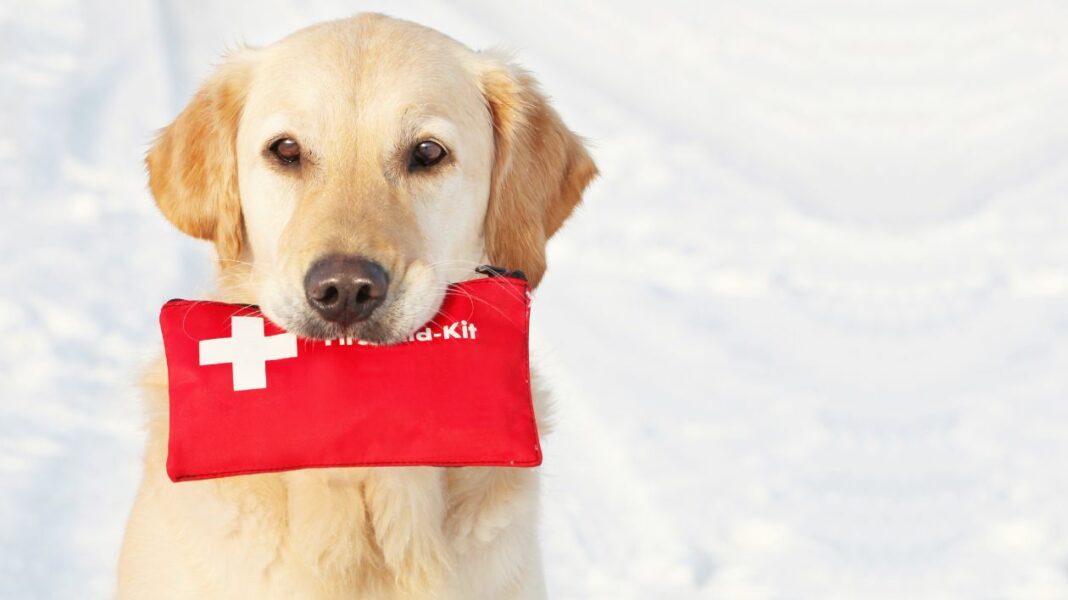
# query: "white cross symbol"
x,y
248,350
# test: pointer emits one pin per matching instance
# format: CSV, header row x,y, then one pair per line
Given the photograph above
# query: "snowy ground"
x,y
810,333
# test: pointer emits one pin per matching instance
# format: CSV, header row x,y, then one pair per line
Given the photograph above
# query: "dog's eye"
x,y
427,154
286,150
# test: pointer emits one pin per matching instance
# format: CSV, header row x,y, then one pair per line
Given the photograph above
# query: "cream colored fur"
x,y
355,92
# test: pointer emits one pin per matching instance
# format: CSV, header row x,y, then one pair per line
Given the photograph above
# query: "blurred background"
x,y
809,333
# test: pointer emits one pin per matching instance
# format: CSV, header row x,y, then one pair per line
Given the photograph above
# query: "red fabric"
x,y
461,397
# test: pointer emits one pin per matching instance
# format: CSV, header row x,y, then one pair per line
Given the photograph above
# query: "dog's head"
x,y
349,172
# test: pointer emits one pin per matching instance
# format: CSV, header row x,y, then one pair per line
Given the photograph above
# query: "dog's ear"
x,y
540,169
192,165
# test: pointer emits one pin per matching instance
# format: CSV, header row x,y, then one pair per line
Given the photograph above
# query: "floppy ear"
x,y
192,165
540,170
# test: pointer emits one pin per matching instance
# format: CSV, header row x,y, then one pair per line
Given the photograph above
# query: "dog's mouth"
x,y
383,328
393,322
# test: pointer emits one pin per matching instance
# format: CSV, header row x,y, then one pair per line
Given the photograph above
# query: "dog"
x,y
346,175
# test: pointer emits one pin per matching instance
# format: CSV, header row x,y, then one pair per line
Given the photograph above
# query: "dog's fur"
x,y
356,93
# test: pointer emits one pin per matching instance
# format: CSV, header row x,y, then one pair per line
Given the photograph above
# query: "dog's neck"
x,y
237,283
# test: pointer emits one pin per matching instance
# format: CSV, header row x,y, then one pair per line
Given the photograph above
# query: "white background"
x,y
808,332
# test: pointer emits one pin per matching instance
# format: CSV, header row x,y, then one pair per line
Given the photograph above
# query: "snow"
x,y
808,334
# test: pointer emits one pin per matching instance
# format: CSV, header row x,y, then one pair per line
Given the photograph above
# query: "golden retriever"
x,y
346,174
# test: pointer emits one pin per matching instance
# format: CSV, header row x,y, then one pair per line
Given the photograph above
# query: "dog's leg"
x,y
492,528
406,507
327,526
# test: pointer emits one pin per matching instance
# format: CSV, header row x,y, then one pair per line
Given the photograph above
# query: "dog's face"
x,y
348,173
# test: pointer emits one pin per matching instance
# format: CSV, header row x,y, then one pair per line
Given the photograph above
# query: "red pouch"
x,y
247,397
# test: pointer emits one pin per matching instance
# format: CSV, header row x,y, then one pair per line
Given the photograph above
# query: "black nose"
x,y
345,289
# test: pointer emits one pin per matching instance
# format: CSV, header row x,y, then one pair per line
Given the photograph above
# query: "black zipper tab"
x,y
492,271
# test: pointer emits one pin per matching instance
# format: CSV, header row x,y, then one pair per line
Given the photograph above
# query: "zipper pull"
x,y
492,271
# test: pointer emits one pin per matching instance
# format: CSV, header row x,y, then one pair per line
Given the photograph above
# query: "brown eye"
x,y
427,154
286,150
